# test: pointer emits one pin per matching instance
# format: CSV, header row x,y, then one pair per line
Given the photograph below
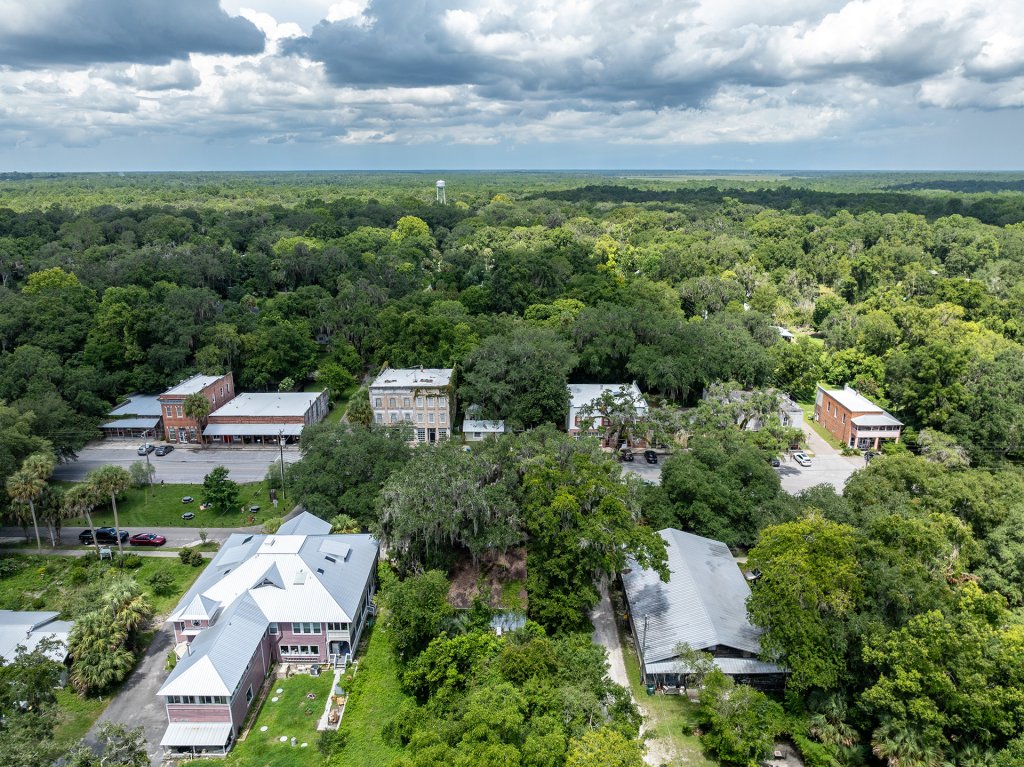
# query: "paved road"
x,y
607,636
176,536
184,464
136,703
648,472
827,467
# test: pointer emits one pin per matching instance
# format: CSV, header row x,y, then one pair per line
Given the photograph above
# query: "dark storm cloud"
x,y
83,32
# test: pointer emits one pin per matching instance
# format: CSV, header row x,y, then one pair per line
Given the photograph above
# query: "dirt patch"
x,y
498,577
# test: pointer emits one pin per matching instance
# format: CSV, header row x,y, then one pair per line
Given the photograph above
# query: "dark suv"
x,y
103,535
650,456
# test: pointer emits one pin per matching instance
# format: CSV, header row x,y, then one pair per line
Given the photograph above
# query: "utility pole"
x,y
149,478
280,444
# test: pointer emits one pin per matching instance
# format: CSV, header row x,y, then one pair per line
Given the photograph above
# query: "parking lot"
x,y
182,465
827,467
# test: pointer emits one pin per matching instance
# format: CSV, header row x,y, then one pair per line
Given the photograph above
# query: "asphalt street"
x,y
183,465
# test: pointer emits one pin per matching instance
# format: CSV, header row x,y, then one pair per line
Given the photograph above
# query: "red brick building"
x,y
178,427
265,418
853,419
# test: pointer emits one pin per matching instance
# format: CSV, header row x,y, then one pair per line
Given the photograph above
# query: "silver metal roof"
x,y
131,423
878,419
139,405
730,666
583,394
305,524
196,734
29,628
703,604
191,386
852,400
218,656
490,427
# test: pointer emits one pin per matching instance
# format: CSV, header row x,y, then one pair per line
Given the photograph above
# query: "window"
x,y
442,402
177,410
477,435
421,434
394,418
378,417
430,417
337,627
405,402
198,700
197,623
307,628
222,392
442,418
170,410
844,417
407,417
378,402
273,628
300,649
391,402
430,401
248,695
419,401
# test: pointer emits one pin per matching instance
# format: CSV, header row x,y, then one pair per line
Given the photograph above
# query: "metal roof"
x,y
219,656
131,423
200,609
305,524
269,405
191,386
852,400
405,378
876,419
491,427
730,666
584,394
29,628
703,604
139,405
252,429
194,734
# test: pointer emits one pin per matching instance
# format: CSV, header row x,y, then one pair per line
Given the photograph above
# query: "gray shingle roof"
x,y
703,604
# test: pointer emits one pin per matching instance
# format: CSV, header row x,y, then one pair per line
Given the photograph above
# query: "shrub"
x,y
331,741
162,582
129,561
272,525
190,557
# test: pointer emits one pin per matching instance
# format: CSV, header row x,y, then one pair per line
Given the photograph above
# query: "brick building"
x,y
422,398
178,427
263,418
853,419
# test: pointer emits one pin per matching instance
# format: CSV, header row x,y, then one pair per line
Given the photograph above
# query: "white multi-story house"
x,y
586,395
420,397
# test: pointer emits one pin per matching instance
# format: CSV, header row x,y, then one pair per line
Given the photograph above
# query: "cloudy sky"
x,y
362,84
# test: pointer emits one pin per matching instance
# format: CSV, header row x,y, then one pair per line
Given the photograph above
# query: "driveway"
x,y
136,703
828,466
648,472
183,465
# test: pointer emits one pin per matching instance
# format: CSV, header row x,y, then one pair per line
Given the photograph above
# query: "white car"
x,y
802,458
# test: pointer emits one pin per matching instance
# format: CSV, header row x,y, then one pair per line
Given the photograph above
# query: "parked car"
x,y
164,449
775,462
146,449
625,454
147,539
189,515
650,456
802,458
187,499
103,535
869,455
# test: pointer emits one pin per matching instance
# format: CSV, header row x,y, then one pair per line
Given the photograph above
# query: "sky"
x,y
122,85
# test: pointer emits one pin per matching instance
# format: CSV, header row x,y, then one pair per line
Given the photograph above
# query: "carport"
x,y
197,738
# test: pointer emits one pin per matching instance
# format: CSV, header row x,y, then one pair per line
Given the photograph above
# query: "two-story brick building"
x,y
299,596
853,419
422,398
178,427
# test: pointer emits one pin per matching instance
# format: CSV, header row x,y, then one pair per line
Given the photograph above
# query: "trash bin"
x,y
650,689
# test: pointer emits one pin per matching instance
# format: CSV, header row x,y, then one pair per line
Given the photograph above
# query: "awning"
x,y
197,734
252,429
132,423
730,666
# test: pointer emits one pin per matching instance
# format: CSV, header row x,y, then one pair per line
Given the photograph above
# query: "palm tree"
x,y
900,745
111,480
28,483
100,657
198,407
129,606
79,501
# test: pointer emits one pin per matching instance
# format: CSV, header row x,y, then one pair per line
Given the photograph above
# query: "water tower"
x,y
440,192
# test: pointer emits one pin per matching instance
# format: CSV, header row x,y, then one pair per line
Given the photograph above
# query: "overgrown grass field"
x,y
71,585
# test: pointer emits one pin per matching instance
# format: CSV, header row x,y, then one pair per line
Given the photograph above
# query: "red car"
x,y
147,539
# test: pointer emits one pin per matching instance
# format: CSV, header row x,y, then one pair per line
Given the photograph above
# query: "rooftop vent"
x,y
300,577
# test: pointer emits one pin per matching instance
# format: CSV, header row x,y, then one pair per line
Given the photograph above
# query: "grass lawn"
x,y
75,715
292,715
161,506
71,585
374,699
808,408
669,717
